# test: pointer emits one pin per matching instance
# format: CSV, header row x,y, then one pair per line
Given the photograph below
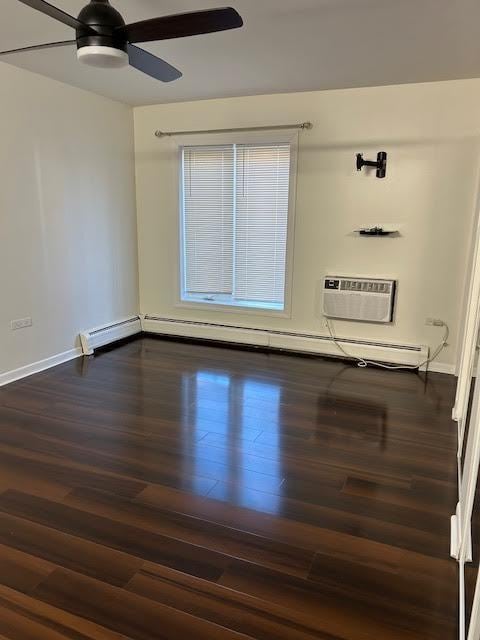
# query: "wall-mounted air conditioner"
x,y
365,299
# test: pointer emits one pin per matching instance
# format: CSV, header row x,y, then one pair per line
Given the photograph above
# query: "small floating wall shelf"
x,y
377,231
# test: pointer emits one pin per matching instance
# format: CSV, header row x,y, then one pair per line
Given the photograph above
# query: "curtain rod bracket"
x,y
303,126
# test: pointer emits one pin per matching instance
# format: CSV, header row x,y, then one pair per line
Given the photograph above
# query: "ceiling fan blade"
x,y
151,65
37,47
183,24
55,13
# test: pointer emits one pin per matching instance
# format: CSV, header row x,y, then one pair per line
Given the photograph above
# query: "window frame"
x,y
289,136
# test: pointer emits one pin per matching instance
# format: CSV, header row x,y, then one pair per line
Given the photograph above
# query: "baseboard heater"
x,y
101,336
291,341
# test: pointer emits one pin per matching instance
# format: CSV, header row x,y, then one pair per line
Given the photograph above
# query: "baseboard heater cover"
x,y
101,336
293,341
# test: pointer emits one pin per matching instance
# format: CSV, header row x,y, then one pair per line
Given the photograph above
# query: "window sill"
x,y
229,308
227,300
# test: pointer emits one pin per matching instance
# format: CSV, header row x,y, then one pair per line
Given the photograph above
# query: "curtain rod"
x,y
302,125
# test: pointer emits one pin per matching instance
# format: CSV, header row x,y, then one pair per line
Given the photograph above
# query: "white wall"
x,y
68,253
431,133
68,246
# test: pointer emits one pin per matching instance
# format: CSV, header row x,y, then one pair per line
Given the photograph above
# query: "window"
x,y
235,201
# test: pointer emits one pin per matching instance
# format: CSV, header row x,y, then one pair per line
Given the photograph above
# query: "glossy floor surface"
x,y
167,490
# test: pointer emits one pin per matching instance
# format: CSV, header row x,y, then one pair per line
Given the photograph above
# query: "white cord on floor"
x,y
361,362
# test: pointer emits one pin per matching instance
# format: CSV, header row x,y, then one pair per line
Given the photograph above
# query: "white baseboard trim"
x,y
442,367
304,342
36,367
404,354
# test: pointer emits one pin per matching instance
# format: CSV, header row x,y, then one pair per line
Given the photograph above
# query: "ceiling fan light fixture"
x,y
102,57
104,40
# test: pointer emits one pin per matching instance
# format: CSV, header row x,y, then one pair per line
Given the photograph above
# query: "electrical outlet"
x,y
22,323
434,322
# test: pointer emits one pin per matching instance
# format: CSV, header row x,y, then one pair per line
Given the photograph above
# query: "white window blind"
x,y
235,212
261,220
208,219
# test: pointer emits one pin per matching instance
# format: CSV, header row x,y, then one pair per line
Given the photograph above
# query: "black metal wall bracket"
x,y
380,164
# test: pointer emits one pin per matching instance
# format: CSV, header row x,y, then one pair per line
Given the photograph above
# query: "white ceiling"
x,y
285,46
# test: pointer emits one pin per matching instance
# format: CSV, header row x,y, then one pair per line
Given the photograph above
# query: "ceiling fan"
x,y
104,40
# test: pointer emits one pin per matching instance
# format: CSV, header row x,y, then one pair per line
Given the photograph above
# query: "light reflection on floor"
x,y
235,408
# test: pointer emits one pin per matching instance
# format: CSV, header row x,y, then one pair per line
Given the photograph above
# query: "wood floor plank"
x,y
243,613
63,475
22,571
328,602
124,612
359,524
129,539
403,497
290,531
26,618
259,522
428,593
388,512
196,530
66,550
76,431
138,464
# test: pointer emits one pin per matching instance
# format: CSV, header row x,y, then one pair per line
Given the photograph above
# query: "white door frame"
x,y
468,472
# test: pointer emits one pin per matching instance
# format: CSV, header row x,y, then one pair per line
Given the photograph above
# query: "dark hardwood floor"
x,y
176,491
